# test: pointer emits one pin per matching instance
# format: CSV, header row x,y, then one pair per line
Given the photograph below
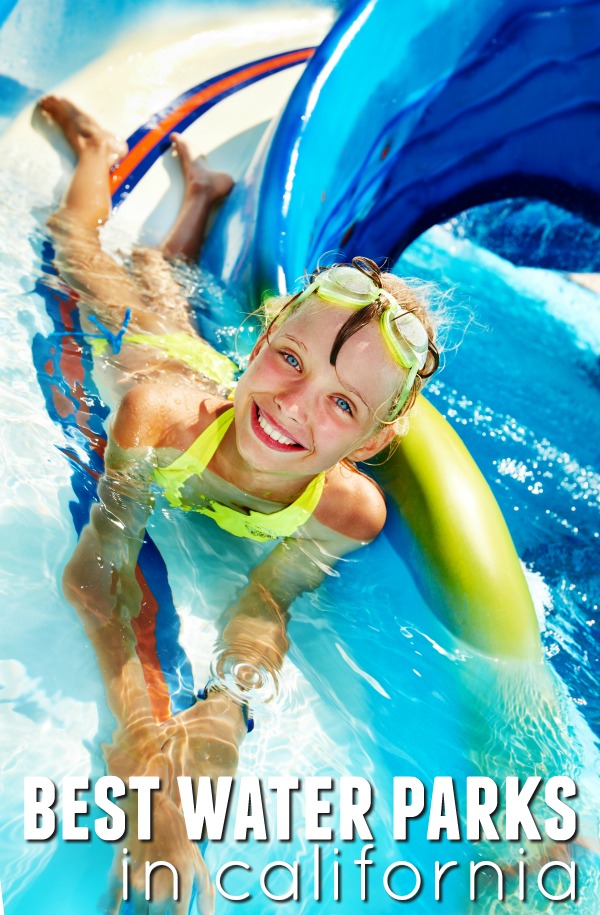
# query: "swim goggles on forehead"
x,y
404,334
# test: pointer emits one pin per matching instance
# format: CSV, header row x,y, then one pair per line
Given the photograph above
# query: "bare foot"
x,y
198,177
82,131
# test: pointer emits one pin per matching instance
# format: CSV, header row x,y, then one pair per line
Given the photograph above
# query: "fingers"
x,y
112,902
183,906
205,899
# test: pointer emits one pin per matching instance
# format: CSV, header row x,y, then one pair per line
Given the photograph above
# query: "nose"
x,y
293,402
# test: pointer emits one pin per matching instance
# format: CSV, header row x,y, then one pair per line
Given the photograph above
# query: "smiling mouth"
x,y
270,435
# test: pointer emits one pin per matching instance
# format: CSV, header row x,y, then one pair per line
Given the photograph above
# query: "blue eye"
x,y
343,405
291,360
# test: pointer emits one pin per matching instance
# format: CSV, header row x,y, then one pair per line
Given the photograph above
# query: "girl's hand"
x,y
169,844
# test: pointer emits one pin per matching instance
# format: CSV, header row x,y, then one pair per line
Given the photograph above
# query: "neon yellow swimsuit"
x,y
254,525
192,351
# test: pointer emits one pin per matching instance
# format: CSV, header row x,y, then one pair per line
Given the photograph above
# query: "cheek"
x,y
335,436
360,438
267,367
258,376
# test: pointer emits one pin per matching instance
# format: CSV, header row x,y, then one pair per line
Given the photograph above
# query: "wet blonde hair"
x,y
411,295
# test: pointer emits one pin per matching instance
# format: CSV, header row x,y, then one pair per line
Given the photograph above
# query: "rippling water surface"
x,y
373,685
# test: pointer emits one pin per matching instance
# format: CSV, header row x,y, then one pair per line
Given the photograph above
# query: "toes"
x,y
179,145
181,149
49,105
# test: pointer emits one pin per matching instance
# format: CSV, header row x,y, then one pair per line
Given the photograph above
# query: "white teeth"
x,y
273,433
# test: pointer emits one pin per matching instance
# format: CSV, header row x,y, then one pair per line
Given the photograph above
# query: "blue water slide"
x,y
404,118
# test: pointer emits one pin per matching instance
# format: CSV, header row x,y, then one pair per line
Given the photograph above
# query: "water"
x,y
533,233
373,685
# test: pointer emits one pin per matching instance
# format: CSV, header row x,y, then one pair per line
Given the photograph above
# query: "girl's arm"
x,y
100,583
205,739
254,629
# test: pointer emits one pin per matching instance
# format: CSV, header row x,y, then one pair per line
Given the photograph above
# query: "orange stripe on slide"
x,y
144,628
133,158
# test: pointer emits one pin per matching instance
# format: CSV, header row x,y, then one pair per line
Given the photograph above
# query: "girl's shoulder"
x,y
162,415
351,504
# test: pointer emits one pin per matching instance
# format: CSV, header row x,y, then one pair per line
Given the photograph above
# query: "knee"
x,y
58,225
71,233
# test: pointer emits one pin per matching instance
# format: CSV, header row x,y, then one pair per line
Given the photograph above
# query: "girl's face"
x,y
298,414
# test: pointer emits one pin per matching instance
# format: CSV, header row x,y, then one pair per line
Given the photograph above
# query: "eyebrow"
x,y
296,341
355,392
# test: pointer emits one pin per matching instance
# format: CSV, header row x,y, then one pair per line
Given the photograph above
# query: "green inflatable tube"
x,y
461,551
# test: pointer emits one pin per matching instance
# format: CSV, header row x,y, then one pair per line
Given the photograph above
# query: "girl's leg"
x,y
203,188
87,200
106,288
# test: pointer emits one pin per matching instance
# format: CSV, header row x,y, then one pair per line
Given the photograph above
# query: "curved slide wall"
x,y
422,113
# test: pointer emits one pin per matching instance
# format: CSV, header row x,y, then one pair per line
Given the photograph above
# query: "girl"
x,y
329,383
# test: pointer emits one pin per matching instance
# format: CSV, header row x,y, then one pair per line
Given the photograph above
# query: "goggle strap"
x,y
406,389
302,296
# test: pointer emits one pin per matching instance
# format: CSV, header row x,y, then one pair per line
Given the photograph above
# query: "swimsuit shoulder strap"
x,y
202,449
193,461
309,499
